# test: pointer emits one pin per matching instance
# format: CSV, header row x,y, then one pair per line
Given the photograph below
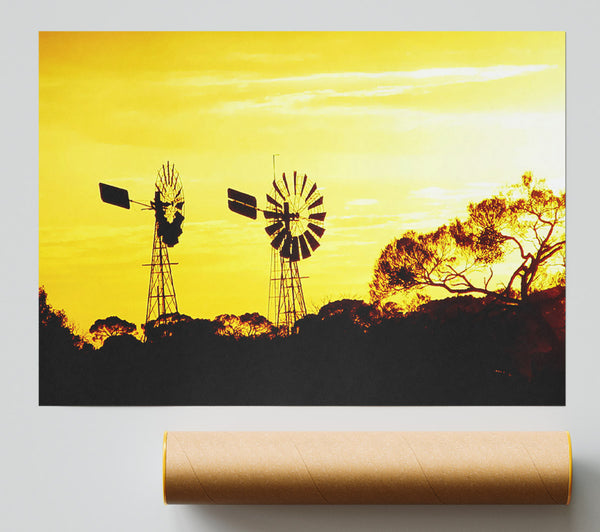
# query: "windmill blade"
x,y
276,242
318,216
312,241
285,250
294,182
316,203
272,229
295,255
114,195
316,229
304,247
286,184
278,191
312,191
269,215
274,202
303,184
241,203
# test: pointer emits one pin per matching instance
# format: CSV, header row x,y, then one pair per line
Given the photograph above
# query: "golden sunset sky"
x,y
399,130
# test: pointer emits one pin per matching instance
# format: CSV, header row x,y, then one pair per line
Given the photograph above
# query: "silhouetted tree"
x,y
48,316
308,325
225,324
55,329
61,355
166,326
355,311
251,325
111,326
525,224
390,310
122,343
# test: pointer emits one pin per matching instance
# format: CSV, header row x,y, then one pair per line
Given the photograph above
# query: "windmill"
x,y
295,223
168,207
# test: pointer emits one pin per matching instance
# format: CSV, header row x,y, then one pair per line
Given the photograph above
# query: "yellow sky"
x,y
399,130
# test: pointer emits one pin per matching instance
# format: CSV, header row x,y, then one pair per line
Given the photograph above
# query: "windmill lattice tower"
x,y
295,223
168,207
286,297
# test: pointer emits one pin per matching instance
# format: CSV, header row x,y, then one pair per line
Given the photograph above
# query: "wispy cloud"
x,y
470,192
460,74
265,57
357,223
338,88
432,193
60,235
85,235
361,202
212,224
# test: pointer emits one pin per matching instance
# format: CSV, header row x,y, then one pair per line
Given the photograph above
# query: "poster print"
x,y
302,218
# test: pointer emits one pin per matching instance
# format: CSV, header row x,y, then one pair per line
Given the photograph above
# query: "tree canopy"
x,y
353,311
177,326
523,227
111,326
54,326
251,325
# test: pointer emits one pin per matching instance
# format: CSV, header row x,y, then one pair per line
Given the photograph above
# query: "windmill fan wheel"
x,y
169,204
295,217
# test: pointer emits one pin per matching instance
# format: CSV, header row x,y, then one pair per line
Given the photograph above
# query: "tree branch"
x,y
552,250
496,295
520,246
487,281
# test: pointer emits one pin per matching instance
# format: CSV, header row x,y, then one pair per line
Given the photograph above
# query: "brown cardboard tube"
x,y
367,467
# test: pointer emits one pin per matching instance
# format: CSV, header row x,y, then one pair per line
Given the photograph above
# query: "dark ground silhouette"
x,y
457,351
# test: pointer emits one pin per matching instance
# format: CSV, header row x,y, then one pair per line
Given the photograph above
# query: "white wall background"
x,y
98,469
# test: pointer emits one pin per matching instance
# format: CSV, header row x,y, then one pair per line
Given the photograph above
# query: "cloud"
x,y
394,223
361,202
343,86
58,235
86,235
265,57
432,193
301,104
469,192
461,75
469,74
213,224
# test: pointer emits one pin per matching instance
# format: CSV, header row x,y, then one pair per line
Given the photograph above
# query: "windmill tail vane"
x,y
241,203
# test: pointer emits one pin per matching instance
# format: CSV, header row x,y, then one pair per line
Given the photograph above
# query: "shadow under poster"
x,y
299,218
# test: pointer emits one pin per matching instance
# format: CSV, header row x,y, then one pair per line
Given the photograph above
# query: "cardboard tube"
x,y
367,467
